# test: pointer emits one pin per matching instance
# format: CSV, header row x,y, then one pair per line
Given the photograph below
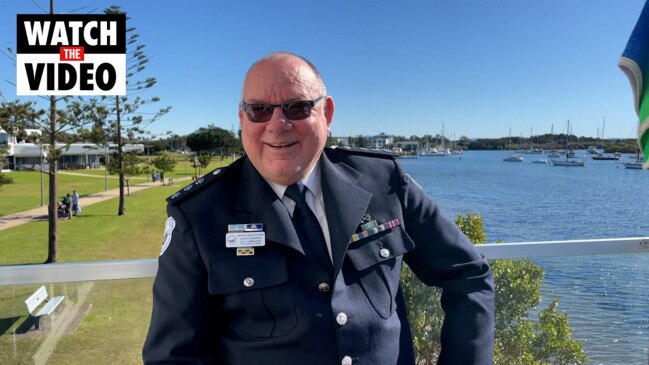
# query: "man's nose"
x,y
278,121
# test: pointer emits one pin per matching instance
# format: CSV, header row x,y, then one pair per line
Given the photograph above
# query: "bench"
x,y
39,297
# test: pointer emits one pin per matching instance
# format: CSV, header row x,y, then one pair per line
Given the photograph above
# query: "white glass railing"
x,y
602,286
131,269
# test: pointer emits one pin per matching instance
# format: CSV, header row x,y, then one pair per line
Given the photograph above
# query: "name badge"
x,y
245,239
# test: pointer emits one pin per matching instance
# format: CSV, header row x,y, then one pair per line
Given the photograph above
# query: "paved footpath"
x,y
40,213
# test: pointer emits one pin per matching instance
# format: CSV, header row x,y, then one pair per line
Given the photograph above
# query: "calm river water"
x,y
606,296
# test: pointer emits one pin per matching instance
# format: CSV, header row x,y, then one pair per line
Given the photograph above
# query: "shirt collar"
x,y
311,181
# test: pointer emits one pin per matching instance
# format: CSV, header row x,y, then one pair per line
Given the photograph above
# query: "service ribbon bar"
x,y
254,227
385,226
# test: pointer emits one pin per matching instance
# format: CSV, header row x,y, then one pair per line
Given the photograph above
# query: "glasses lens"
x,y
297,110
259,112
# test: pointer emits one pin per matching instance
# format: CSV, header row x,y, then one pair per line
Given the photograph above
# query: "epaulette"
x,y
197,185
367,152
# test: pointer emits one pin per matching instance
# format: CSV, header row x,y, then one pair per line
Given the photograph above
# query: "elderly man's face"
x,y
284,150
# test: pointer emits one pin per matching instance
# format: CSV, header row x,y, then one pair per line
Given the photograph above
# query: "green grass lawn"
x,y
115,327
97,234
25,192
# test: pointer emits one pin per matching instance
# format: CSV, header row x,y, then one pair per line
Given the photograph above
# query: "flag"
x,y
635,64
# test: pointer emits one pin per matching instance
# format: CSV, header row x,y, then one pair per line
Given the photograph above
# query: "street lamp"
x,y
106,168
43,154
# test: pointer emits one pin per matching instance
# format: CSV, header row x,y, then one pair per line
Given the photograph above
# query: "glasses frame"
x,y
284,107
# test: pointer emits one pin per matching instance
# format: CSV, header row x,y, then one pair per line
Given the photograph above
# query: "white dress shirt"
x,y
314,200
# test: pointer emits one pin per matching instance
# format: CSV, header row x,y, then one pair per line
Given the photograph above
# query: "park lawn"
x,y
25,193
101,173
184,167
97,234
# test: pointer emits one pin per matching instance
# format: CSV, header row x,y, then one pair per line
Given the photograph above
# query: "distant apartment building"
x,y
341,141
381,141
408,145
22,155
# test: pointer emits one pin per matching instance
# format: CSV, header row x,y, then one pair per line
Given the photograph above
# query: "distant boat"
x,y
592,150
635,165
600,156
512,157
434,152
540,161
607,157
570,160
535,151
532,150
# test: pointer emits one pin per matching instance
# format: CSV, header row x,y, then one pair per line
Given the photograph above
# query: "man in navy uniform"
x,y
292,254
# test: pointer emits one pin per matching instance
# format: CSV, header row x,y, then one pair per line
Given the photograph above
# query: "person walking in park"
x,y
67,203
76,207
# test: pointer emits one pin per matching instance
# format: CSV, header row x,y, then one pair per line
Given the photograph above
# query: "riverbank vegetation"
x,y
519,339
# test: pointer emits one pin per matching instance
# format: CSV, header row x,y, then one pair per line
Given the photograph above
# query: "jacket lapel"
x,y
257,199
345,204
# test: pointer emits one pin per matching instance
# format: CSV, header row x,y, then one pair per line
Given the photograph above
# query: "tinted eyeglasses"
x,y
293,110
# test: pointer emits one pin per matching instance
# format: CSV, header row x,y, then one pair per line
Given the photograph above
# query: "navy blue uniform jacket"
x,y
206,308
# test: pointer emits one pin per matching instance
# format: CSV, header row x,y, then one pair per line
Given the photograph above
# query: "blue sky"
x,y
399,67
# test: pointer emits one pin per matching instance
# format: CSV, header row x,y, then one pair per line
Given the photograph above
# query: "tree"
x,y
131,165
211,139
4,179
204,160
360,141
519,340
164,163
128,118
60,125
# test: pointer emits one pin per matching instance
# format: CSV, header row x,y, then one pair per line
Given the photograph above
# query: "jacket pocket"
x,y
261,284
378,262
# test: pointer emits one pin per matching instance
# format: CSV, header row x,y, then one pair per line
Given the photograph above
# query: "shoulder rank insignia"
x,y
196,186
367,152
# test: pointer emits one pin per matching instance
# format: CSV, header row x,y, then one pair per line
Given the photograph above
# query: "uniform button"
x,y
341,318
248,282
346,361
384,252
324,287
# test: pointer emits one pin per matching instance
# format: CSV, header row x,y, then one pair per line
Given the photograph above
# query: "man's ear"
x,y
329,109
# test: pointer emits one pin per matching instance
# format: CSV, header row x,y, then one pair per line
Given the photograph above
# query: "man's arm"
x,y
181,327
444,257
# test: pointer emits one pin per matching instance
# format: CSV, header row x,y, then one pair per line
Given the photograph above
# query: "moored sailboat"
x,y
570,160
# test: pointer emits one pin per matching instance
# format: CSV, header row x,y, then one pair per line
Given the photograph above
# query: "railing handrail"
x,y
147,268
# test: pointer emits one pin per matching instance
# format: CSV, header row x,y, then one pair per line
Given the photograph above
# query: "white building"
x,y
27,156
381,141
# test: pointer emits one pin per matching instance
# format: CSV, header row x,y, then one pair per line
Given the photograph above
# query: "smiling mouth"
x,y
281,145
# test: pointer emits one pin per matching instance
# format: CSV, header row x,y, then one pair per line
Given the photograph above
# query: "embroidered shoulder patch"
x,y
170,224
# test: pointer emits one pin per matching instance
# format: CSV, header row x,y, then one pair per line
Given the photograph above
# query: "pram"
x,y
61,211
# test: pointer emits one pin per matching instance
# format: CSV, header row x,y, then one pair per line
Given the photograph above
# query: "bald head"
x,y
283,57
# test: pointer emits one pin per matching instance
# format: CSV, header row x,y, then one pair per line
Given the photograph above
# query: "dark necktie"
x,y
308,229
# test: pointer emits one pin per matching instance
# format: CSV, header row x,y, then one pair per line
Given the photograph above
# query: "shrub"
x,y
518,290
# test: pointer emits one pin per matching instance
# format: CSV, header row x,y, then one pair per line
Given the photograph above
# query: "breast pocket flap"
x,y
368,252
246,273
